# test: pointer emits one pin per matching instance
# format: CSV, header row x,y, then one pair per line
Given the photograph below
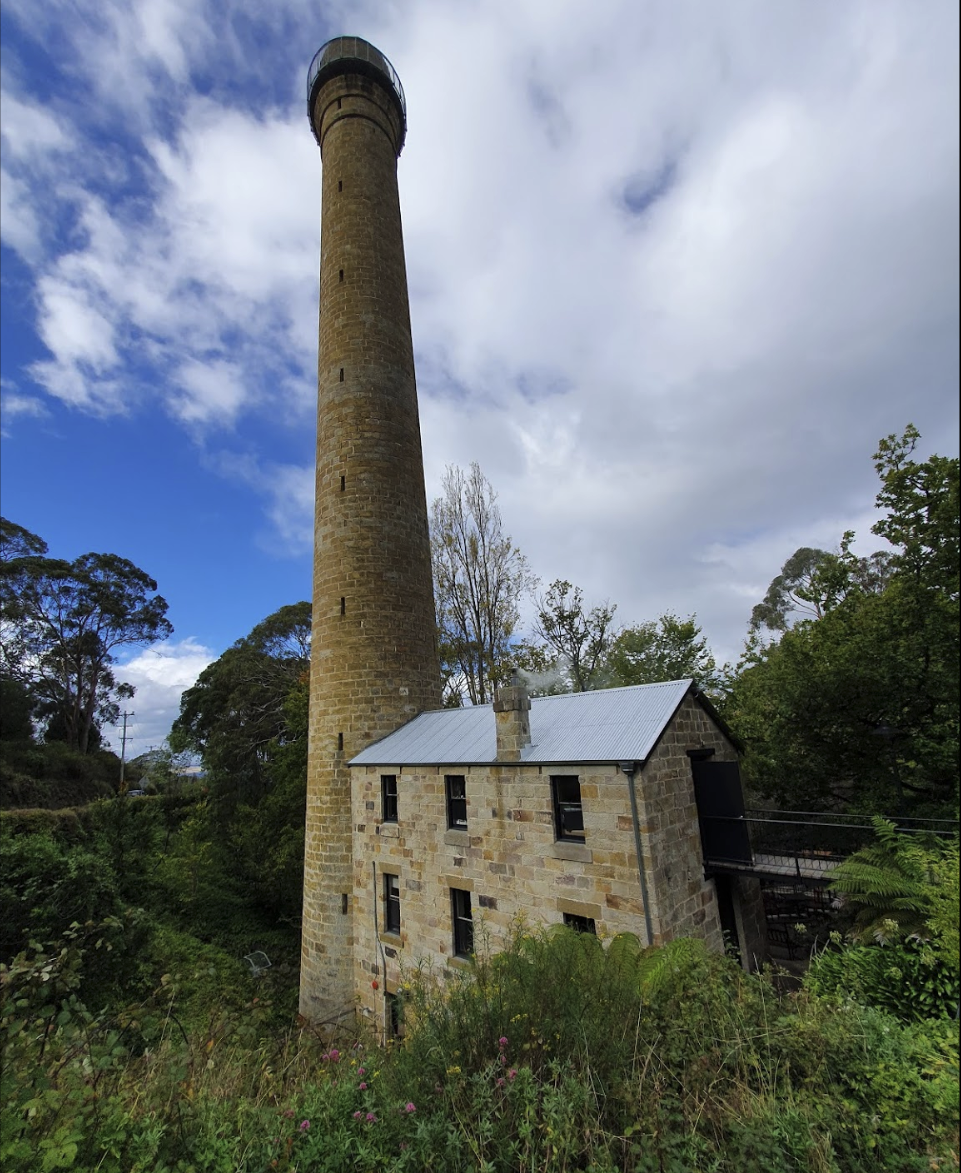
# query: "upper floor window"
x,y
568,813
391,904
388,798
456,791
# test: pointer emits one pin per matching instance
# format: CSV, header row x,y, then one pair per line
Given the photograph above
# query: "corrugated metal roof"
x,y
610,725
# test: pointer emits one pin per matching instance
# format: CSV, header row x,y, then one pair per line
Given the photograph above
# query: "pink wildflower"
x,y
409,1108
512,1074
500,1083
371,1118
304,1125
334,1054
357,1115
361,1070
502,1041
362,1086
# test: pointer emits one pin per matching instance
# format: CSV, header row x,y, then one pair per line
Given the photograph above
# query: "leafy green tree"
x,y
576,639
63,624
669,649
858,709
234,715
247,719
812,582
16,709
480,577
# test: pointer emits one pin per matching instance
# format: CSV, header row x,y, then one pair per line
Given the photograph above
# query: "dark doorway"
x,y
720,810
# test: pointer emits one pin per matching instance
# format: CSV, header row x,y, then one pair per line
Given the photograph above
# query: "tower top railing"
x,y
352,54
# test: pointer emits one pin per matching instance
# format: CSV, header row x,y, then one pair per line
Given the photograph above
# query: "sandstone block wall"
x,y
513,866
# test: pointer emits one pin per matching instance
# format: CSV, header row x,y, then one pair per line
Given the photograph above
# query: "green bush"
x,y
907,978
707,1069
44,889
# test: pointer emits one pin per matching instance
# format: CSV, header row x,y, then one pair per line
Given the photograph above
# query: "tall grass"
x,y
560,1053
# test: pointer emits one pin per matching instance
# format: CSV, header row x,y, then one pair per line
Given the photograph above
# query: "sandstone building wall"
x,y
512,864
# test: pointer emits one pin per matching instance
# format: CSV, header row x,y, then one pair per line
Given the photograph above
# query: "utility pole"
x,y
123,749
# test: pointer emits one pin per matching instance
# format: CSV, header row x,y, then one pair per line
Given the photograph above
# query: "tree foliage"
x,y
247,719
857,708
669,649
63,624
234,716
576,640
480,576
812,582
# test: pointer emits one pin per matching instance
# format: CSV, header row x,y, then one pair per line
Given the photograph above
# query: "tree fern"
x,y
887,888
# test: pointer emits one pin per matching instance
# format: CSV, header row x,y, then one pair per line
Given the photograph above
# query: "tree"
x,y
63,624
668,649
247,718
812,582
479,578
578,640
858,709
234,715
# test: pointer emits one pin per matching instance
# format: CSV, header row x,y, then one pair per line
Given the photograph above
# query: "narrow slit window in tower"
x,y
341,274
340,185
343,484
340,741
343,605
342,374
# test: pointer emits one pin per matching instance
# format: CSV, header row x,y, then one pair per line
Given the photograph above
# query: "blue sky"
x,y
675,268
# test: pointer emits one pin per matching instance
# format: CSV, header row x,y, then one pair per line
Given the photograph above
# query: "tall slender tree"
x,y
480,577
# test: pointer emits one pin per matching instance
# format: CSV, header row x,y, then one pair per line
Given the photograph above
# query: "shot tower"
x,y
374,661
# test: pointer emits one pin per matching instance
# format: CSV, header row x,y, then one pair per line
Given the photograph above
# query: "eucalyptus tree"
x,y
63,625
858,708
480,578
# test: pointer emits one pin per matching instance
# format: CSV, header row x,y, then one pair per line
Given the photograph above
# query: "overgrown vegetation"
x,y
561,1053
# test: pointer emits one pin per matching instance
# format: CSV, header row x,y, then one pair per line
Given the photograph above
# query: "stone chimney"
x,y
511,708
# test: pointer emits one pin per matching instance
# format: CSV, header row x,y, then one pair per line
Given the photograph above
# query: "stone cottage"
x,y
576,809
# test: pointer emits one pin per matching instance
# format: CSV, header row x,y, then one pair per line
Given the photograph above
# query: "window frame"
x,y
566,810
388,798
455,803
391,903
394,1015
580,924
462,922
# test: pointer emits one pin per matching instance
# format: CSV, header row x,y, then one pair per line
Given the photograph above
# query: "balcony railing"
x,y
352,53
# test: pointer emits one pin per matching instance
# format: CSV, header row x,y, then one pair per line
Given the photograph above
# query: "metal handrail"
x,y
355,49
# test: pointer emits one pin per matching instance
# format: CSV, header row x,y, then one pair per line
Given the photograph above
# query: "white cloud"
x,y
160,674
674,268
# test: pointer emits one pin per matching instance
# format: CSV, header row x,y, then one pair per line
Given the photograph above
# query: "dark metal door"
x,y
720,809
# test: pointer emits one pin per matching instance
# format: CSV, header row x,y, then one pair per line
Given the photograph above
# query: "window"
x,y
568,815
463,923
388,798
580,924
456,791
395,1016
391,904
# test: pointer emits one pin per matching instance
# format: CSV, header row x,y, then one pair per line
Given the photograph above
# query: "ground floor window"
x,y
395,1016
580,924
463,922
391,904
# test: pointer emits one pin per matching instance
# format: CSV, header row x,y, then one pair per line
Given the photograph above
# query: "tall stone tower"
x,y
374,662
